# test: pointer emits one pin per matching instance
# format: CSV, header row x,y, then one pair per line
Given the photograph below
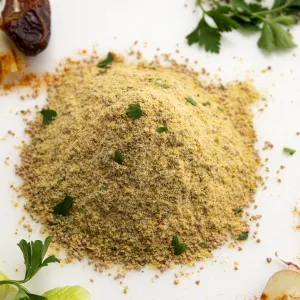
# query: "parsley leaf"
x,y
255,7
283,7
65,206
289,151
223,22
274,37
284,20
253,16
206,103
238,210
119,157
203,244
191,100
206,36
178,247
243,236
250,26
240,5
34,254
294,3
163,85
162,129
48,115
106,62
134,111
61,180
223,9
278,3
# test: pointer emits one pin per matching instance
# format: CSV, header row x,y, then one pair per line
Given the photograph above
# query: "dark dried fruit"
x,y
28,23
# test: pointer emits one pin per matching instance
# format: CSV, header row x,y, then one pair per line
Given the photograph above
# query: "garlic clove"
x,y
283,285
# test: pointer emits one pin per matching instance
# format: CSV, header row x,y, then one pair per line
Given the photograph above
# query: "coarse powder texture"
x,y
188,181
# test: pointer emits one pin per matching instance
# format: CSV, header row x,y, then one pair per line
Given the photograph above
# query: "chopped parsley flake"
x,y
203,245
106,62
238,210
162,129
178,247
191,100
65,206
48,115
289,151
134,111
163,85
119,157
243,236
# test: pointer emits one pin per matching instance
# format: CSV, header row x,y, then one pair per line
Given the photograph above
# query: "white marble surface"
x,y
115,25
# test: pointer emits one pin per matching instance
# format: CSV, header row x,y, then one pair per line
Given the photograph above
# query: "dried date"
x,y
28,24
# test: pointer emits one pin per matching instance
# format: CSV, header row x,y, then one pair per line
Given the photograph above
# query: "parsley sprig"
x,y
253,17
34,254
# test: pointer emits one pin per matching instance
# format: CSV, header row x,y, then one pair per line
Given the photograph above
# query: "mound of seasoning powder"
x,y
136,164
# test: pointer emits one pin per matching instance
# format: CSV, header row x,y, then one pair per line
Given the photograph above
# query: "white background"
x,y
113,26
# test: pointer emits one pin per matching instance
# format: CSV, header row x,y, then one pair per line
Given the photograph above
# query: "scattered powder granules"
x,y
189,181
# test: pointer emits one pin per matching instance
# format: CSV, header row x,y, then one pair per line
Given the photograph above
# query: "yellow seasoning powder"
x,y
146,154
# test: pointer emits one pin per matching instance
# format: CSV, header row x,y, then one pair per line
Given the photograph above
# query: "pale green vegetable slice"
x,y
7,291
68,293
283,285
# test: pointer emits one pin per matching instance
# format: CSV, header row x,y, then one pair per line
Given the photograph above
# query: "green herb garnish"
x,y
203,245
134,111
48,115
163,85
162,129
252,17
178,247
238,210
289,151
61,180
191,100
206,103
65,206
119,157
106,62
205,35
275,37
33,253
243,236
